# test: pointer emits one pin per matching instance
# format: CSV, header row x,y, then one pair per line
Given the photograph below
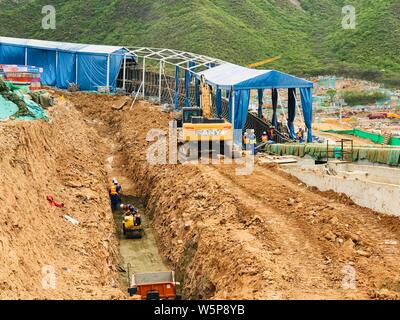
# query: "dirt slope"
x,y
63,159
260,236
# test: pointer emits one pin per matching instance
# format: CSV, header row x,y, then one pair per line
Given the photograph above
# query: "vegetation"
x,y
308,34
354,98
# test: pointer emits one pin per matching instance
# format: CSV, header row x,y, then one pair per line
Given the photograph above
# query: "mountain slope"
x,y
306,33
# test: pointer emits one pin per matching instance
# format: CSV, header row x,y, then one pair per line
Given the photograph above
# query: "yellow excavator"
x,y
197,129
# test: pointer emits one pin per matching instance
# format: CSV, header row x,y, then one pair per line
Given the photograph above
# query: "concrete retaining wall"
x,y
377,188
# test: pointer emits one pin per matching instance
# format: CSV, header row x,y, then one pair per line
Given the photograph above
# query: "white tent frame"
x,y
172,57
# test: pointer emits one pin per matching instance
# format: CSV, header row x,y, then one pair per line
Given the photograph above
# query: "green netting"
x,y
376,138
395,142
13,87
7,108
375,154
15,104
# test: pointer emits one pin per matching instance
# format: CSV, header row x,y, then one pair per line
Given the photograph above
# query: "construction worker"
x,y
265,137
114,191
246,140
271,133
253,142
138,219
130,210
300,135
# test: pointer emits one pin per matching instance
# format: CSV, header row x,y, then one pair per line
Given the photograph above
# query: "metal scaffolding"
x,y
187,61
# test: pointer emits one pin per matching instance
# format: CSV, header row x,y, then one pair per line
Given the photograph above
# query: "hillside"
x,y
306,33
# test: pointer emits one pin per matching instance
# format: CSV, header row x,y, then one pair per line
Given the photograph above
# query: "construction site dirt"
x,y
262,236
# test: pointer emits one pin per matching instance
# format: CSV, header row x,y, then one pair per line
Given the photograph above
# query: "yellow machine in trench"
x,y
132,226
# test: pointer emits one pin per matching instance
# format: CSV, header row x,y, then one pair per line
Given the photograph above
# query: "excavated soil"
x,y
61,158
263,236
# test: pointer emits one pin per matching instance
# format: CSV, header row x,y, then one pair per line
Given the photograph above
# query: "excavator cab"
x,y
189,113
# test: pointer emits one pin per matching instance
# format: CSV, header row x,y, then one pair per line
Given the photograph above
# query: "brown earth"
x,y
259,236
263,236
60,158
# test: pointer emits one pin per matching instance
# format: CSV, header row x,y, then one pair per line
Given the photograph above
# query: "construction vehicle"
x,y
393,116
154,286
199,131
374,116
132,227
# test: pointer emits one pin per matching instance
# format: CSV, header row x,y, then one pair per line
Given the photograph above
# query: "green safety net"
x,y
375,154
376,138
14,103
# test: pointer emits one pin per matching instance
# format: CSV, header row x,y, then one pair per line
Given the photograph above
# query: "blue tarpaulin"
x,y
90,66
218,102
240,79
188,80
66,69
306,102
12,54
93,71
291,112
274,119
45,59
177,75
197,92
260,102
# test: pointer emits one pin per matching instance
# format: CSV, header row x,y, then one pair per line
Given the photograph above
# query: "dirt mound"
x,y
41,254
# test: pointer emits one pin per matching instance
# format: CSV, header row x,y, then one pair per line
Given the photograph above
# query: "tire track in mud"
x,y
299,260
371,247
379,233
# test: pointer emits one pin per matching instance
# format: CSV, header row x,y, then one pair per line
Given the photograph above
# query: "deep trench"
x,y
135,255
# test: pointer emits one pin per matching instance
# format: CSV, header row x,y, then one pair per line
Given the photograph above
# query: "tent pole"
x,y
124,81
26,56
233,113
159,82
108,73
144,76
76,69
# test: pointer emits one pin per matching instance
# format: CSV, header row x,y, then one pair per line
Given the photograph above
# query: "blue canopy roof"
x,y
230,75
90,66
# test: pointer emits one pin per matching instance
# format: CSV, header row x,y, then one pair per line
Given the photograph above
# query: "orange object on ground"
x,y
154,286
55,203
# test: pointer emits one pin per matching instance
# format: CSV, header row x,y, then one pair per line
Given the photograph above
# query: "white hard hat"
x,y
121,206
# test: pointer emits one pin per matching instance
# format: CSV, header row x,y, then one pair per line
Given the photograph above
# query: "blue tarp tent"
x,y
90,66
241,80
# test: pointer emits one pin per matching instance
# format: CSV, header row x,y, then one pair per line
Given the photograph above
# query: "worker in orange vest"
x,y
265,137
114,191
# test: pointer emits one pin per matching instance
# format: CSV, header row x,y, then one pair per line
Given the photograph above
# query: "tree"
x,y
332,95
